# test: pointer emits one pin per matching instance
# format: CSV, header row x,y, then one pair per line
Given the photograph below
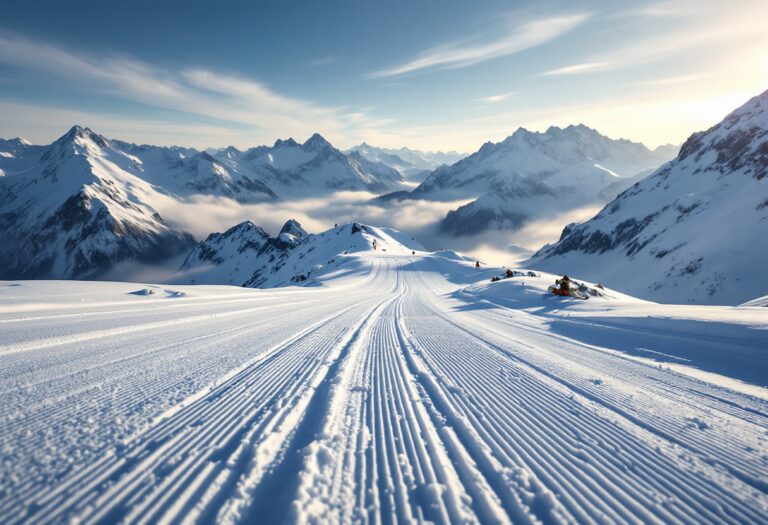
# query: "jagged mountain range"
x,y
693,231
76,207
530,175
415,165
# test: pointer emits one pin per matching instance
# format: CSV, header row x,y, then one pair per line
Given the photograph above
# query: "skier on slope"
x,y
477,264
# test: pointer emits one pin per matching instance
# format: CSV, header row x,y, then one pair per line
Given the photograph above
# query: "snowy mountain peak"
x,y
316,142
739,142
292,233
78,140
287,143
293,257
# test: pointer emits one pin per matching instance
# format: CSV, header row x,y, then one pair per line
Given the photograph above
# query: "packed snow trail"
x,y
403,392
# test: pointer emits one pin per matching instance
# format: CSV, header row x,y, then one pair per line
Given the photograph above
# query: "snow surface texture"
x,y
694,231
399,387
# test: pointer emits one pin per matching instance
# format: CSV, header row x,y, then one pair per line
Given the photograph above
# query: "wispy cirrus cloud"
x,y
227,100
587,67
494,99
510,40
322,61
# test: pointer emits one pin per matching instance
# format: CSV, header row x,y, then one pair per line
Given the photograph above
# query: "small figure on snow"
x,y
563,286
477,264
509,273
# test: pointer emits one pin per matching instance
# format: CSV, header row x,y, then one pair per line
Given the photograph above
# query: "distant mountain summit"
x,y
412,164
530,175
693,231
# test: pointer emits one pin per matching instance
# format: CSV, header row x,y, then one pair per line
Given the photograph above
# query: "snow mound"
x,y
156,291
453,255
527,288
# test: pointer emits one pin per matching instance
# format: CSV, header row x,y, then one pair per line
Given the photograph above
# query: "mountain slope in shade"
x,y
235,256
245,255
694,231
74,213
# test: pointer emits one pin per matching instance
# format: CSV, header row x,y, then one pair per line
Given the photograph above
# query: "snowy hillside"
x,y
245,255
71,212
694,231
515,180
406,388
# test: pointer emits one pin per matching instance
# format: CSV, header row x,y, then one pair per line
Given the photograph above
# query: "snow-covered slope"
x,y
694,231
245,255
514,180
226,258
73,213
411,390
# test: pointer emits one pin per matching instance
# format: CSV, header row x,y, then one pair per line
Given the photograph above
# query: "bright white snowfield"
x,y
393,388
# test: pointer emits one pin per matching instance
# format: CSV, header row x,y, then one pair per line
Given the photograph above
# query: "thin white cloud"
x,y
587,67
231,101
493,99
322,61
682,79
513,39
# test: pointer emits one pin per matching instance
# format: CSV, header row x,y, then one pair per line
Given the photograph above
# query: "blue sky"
x,y
430,75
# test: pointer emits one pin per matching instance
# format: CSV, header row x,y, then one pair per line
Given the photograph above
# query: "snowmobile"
x,y
576,294
563,288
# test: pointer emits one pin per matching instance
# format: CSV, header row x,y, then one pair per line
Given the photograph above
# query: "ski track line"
x,y
656,394
383,403
576,478
66,405
44,343
209,427
515,318
377,457
270,500
87,361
